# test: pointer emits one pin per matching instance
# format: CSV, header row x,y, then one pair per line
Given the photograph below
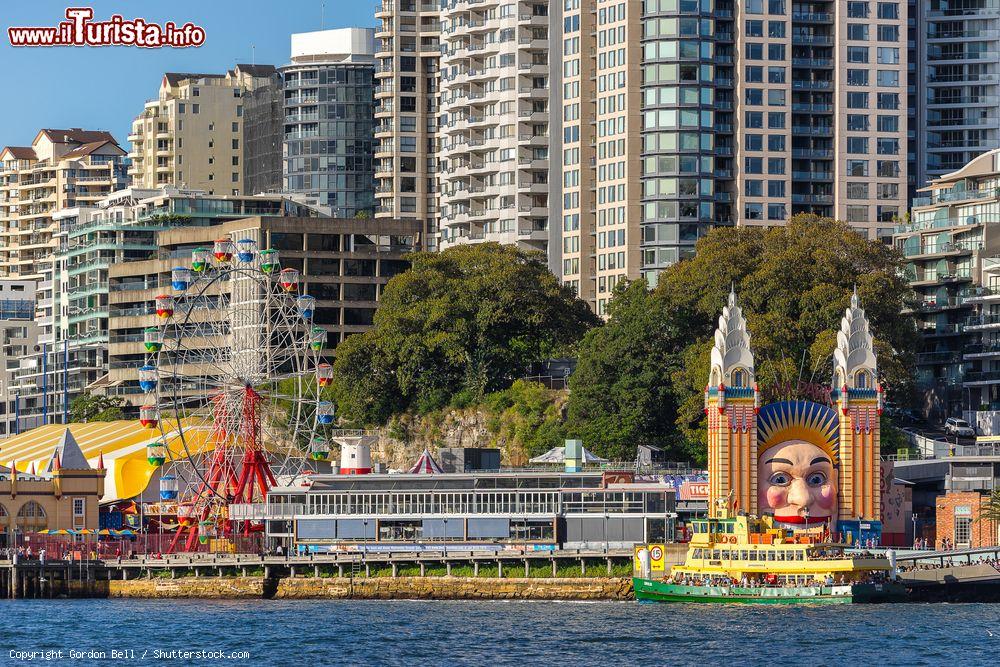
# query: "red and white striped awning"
x,y
426,465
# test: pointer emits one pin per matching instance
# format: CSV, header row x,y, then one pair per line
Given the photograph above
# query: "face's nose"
x,y
798,495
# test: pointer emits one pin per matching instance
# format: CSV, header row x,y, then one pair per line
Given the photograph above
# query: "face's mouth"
x,y
801,520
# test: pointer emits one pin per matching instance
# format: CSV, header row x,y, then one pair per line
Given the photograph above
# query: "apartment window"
x,y
857,77
888,33
236,160
755,28
754,74
776,7
857,191
775,188
776,97
236,126
775,120
888,78
857,100
857,168
776,142
754,165
857,10
857,145
775,74
857,32
857,54
754,96
195,92
754,51
776,29
180,107
236,144
888,168
754,142
888,123
775,51
776,165
754,211
236,177
888,10
888,146
888,100
885,191
888,55
754,119
755,6
857,213
195,108
857,122
754,188
776,212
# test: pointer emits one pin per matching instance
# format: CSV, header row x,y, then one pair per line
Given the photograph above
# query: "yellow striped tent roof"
x,y
122,443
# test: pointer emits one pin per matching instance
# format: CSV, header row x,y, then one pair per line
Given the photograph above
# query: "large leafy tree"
x,y
469,319
622,391
641,377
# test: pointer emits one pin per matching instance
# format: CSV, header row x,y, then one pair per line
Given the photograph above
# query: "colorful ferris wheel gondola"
x,y
156,453
180,278
149,416
148,377
324,375
289,279
317,338
152,339
223,250
324,412
319,449
245,250
306,305
199,260
164,306
269,260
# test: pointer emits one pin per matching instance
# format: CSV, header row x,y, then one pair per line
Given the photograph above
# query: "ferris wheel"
x,y
234,380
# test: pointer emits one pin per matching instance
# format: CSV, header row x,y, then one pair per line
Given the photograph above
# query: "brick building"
x,y
957,514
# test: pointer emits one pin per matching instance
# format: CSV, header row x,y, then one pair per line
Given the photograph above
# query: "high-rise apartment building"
x,y
406,112
665,118
497,121
61,169
191,135
951,244
957,83
329,120
602,188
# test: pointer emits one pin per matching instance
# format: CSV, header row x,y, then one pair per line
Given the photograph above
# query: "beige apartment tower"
x,y
406,110
191,134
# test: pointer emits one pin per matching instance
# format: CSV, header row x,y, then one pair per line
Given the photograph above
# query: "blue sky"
x,y
104,88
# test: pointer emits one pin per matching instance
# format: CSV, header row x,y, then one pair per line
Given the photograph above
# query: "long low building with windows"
x,y
540,510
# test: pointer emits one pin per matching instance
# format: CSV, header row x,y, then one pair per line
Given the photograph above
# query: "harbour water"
x,y
498,633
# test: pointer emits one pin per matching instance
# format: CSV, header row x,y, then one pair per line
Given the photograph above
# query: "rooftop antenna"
x,y
253,54
322,15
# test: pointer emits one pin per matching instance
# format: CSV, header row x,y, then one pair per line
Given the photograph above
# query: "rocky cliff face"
x,y
399,444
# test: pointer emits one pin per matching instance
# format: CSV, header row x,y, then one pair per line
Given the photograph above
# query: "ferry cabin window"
x,y
716,554
743,555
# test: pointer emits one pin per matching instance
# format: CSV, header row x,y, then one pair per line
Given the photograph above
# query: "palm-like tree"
x,y
991,510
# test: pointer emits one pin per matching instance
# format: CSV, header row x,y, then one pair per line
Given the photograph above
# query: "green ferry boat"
x,y
744,560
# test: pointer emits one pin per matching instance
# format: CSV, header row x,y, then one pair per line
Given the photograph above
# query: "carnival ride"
x,y
233,380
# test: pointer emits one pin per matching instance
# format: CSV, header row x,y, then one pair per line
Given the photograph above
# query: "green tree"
x,y
991,510
469,319
621,394
96,408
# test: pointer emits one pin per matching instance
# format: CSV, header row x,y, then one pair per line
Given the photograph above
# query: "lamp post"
x,y
446,538
914,518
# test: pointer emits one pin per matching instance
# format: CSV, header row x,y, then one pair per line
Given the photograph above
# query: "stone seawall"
x,y
377,588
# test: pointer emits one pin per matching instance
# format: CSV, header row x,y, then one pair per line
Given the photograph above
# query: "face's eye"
x,y
780,479
816,479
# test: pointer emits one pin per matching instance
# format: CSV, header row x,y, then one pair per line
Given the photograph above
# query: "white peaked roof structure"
x,y
854,363
70,455
732,346
426,465
558,455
